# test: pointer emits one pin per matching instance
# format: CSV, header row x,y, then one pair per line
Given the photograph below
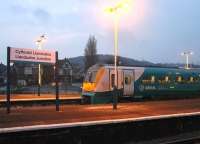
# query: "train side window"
x,y
126,80
112,80
90,77
179,79
153,79
196,79
164,79
150,79
191,79
146,80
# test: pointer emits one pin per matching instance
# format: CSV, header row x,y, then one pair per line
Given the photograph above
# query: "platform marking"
x,y
90,123
39,99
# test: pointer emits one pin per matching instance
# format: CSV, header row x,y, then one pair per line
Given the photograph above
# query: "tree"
x,y
90,52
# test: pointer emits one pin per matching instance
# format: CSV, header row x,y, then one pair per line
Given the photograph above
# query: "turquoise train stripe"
x,y
172,87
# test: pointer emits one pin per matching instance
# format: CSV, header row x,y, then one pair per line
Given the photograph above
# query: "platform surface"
x,y
30,97
43,115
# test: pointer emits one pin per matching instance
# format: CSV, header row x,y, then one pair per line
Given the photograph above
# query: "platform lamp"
x,y
39,43
187,54
116,11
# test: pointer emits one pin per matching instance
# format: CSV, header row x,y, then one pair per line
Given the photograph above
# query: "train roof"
x,y
150,69
154,68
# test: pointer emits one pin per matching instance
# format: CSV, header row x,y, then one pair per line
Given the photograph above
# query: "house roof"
x,y
65,61
2,68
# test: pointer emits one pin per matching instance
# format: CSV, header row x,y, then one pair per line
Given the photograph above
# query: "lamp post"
x,y
187,54
115,10
39,43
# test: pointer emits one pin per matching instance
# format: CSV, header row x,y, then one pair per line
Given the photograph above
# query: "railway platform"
x,y
145,120
30,97
43,99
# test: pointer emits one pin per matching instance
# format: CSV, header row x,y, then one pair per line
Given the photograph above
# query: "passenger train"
x,y
139,82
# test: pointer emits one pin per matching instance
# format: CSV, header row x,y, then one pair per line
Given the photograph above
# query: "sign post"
x,y
33,56
56,80
8,81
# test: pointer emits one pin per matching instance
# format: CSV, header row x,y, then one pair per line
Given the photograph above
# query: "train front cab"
x,y
98,85
88,87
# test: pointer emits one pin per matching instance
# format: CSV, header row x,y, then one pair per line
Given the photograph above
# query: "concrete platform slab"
x,y
30,97
30,116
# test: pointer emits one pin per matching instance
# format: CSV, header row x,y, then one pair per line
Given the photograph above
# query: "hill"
x,y
78,62
108,59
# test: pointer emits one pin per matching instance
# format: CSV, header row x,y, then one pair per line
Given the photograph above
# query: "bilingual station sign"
x,y
32,55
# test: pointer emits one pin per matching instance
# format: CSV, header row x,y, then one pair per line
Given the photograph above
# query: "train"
x,y
138,83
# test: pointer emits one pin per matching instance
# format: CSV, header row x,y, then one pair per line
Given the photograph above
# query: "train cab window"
x,y
90,76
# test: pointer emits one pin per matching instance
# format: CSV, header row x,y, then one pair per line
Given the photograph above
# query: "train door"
x,y
128,82
112,78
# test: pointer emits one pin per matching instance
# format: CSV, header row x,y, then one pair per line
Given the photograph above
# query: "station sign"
x,y
32,55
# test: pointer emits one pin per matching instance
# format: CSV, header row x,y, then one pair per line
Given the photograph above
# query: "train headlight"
x,y
88,86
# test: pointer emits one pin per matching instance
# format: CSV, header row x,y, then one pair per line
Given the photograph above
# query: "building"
x,y
65,71
27,73
2,74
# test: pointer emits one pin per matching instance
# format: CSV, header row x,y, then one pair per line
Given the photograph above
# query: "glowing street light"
x,y
39,43
187,54
116,11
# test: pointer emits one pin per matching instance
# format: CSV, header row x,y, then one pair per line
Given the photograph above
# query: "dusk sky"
x,y
153,30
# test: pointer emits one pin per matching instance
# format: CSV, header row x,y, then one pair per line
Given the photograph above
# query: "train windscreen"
x,y
90,76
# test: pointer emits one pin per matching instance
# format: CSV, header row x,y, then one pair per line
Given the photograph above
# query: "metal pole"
x,y
116,23
39,79
56,80
187,61
39,42
116,45
8,80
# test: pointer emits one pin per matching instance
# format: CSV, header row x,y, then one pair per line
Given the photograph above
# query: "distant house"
x,y
2,74
65,71
27,73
